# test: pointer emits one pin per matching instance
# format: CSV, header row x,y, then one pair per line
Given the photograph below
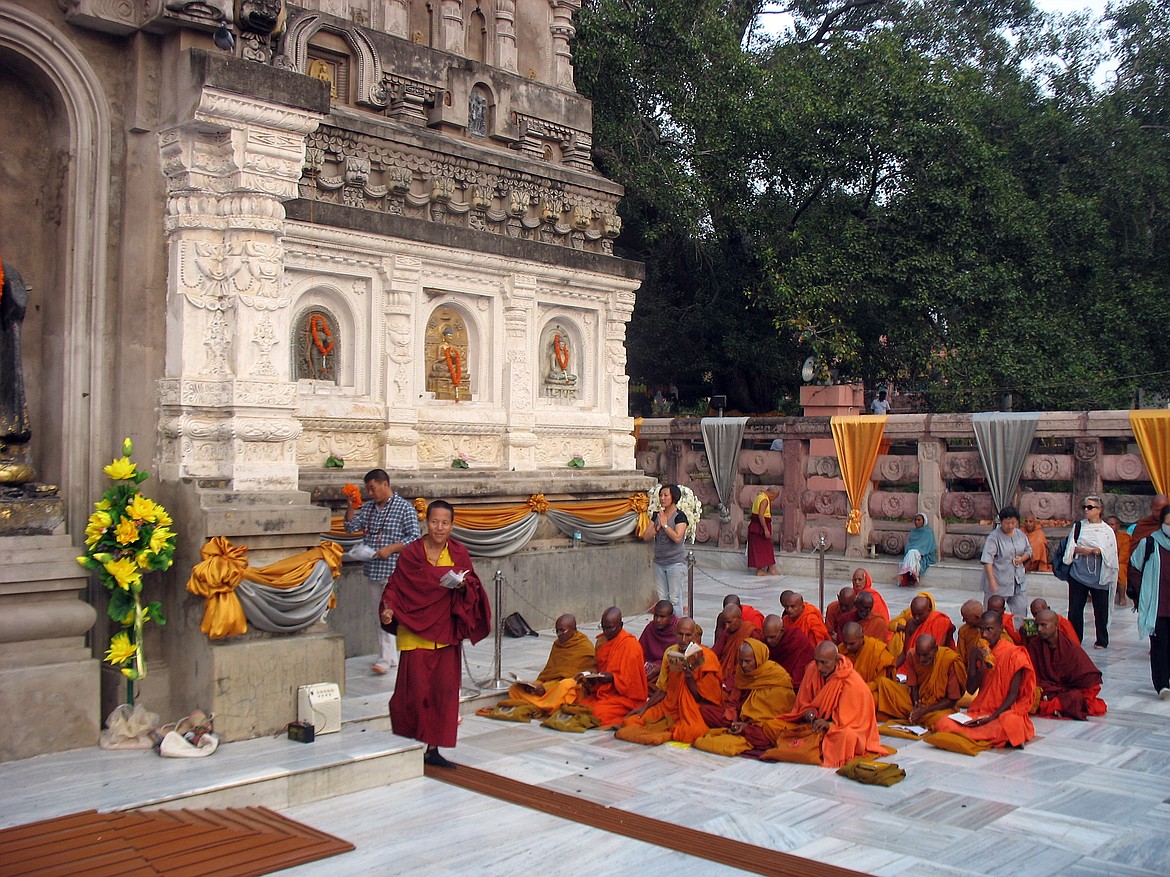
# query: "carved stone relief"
x,y
317,344
448,351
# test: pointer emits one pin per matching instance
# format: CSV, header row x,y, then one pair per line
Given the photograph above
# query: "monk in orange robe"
x,y
763,690
1067,676
835,700
1003,676
620,683
805,617
863,582
996,603
1124,550
673,710
734,631
1039,561
870,657
750,613
833,612
571,654
924,618
1040,605
934,685
969,632
864,613
901,627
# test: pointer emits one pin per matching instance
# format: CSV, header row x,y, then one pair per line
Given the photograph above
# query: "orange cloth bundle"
x,y
355,495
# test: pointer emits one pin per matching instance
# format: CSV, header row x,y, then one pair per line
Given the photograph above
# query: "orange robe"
x,y
565,660
621,656
679,707
759,696
873,626
1014,725
727,649
833,615
1039,561
1124,550
811,624
941,680
845,700
1009,627
879,602
937,625
872,661
752,614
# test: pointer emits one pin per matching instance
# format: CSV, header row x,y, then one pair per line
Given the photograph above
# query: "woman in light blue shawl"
x,y
920,555
1145,568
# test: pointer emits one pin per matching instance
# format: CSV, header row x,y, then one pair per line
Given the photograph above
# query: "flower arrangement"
x,y
128,535
461,462
688,504
576,462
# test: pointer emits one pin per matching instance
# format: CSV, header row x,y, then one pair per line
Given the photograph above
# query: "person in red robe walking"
x,y
432,615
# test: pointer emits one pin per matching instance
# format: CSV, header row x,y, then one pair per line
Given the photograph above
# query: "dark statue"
x,y
15,465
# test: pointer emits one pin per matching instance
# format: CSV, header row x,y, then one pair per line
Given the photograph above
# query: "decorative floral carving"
x,y
1086,450
1130,467
1044,467
967,547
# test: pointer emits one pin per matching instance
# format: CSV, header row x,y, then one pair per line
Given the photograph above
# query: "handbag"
x,y
1086,570
1060,569
515,626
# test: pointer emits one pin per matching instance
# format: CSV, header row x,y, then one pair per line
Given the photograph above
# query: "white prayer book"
x,y
452,579
693,656
912,729
961,718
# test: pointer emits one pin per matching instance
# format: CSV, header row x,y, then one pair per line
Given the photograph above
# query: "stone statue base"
x,y
30,510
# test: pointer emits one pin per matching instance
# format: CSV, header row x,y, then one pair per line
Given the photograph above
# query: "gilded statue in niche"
x,y
325,72
560,380
316,346
447,350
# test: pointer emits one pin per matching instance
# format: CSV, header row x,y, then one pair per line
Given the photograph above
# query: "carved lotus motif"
x,y
963,465
967,547
1045,467
706,530
1129,508
891,543
964,506
890,468
1130,468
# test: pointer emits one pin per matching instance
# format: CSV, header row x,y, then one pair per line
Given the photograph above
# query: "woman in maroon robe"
x,y
431,621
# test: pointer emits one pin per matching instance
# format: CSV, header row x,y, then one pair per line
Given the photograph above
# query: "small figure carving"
x,y
15,465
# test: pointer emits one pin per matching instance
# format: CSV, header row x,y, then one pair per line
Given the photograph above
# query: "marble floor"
x,y
1082,798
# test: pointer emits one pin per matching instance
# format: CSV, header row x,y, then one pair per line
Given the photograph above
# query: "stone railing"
x,y
929,464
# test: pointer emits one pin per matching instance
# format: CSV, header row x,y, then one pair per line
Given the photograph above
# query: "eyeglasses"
x,y
1087,507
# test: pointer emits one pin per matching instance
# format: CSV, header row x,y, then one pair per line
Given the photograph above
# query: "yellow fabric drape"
x,y
857,440
1151,428
593,511
224,566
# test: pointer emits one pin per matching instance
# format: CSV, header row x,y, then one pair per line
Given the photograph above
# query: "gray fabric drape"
x,y
285,610
501,542
597,534
722,437
1004,440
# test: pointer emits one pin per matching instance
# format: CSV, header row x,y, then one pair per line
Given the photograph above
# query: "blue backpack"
x,y
1060,569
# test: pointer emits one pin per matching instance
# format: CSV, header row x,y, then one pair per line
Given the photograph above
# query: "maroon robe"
x,y
1067,674
794,653
655,642
425,704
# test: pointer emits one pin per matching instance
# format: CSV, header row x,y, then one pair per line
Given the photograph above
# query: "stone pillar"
x,y
506,35
795,484
397,18
403,292
615,392
931,486
228,399
562,32
520,342
1087,475
452,28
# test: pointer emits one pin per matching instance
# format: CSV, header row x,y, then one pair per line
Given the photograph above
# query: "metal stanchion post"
x,y
691,583
821,568
498,684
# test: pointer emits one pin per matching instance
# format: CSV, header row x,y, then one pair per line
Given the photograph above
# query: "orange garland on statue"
x,y
316,324
561,350
1,277
454,368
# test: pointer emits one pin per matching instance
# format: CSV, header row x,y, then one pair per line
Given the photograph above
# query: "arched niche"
x,y
452,354
345,53
46,81
478,36
560,353
333,360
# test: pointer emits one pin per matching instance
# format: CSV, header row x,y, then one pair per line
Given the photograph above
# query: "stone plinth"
x,y
31,510
834,399
48,682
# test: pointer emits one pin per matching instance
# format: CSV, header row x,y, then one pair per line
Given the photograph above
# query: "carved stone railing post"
x,y
1087,475
795,484
519,374
227,401
931,485
506,35
404,287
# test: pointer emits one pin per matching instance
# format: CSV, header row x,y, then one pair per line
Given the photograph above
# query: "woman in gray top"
x,y
1005,552
668,530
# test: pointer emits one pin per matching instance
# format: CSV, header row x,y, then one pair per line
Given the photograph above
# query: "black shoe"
x,y
434,759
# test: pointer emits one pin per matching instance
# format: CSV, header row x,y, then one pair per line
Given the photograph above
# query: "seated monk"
x,y
833,612
1003,676
750,613
933,687
832,699
1036,607
804,617
1068,678
924,618
622,683
870,657
996,603
571,654
864,613
735,631
673,710
863,583
763,690
968,633
788,647
658,636
1039,561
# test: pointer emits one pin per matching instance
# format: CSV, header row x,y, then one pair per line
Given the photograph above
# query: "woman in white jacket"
x,y
1093,556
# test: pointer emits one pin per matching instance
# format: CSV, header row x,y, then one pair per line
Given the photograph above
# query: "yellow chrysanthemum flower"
x,y
96,527
121,649
161,517
143,558
103,505
126,531
159,539
124,571
121,470
142,509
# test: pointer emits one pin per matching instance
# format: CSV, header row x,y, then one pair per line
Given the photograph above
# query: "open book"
x,y
692,657
961,718
452,579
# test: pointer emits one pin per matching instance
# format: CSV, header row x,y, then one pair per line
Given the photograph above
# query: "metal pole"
x,y
691,583
821,568
497,683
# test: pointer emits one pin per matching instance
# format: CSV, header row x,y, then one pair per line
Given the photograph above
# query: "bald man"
x,y
788,647
1005,681
571,655
750,613
871,659
969,632
735,631
933,686
835,701
864,612
996,603
1040,605
620,682
1068,678
833,612
804,617
1151,522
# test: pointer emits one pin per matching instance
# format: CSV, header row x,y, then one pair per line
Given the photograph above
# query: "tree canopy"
x,y
950,196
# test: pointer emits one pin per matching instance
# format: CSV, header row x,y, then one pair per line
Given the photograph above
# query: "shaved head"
x,y
919,609
852,638
732,617
1037,606
991,626
1048,626
996,603
1158,503
793,604
971,611
773,631
925,648
731,598
845,598
687,631
863,604
611,622
827,658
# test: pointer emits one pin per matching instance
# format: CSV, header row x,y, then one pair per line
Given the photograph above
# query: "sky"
x,y
1066,6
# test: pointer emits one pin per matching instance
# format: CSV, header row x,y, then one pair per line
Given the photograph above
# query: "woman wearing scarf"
x,y
761,556
1149,570
921,554
1093,555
